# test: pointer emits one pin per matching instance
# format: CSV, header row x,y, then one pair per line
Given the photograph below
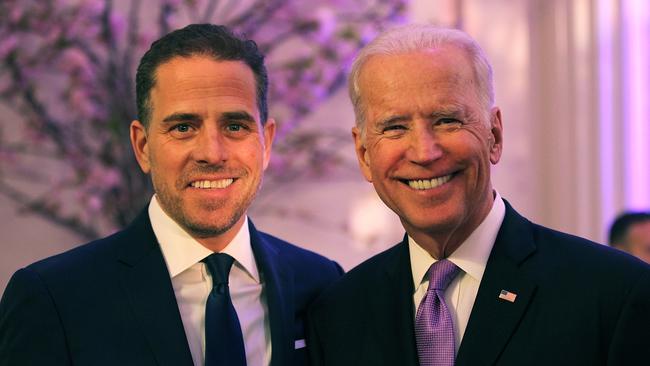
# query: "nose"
x,y
211,147
424,146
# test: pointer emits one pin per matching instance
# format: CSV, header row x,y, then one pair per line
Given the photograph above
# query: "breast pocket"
x,y
300,356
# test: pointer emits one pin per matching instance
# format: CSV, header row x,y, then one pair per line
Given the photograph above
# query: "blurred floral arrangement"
x,y
66,77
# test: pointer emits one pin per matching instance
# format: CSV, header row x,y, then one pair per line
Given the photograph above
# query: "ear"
x,y
362,154
138,135
269,136
496,135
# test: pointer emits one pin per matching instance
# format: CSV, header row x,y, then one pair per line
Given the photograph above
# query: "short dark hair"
x,y
210,40
618,230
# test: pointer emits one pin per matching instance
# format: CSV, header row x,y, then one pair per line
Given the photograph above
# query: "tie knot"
x,y
441,274
219,265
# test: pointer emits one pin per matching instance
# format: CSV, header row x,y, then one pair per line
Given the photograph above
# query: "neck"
x,y
441,241
437,245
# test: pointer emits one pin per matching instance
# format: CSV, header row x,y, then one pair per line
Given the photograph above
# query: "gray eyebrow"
x,y
456,112
391,120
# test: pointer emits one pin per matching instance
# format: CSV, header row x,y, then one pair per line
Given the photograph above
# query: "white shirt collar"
x,y
181,251
473,253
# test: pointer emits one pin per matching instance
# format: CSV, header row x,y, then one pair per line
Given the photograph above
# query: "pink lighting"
x,y
636,99
606,99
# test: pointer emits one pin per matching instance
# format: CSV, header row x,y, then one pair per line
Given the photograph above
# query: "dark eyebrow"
x,y
181,117
237,116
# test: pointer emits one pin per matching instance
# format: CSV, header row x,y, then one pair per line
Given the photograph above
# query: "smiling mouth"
x,y
422,184
212,184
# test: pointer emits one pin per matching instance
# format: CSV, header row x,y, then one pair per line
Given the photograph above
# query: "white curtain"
x,y
573,82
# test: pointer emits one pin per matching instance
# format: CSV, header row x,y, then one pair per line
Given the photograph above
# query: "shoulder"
x,y
599,277
591,268
584,257
35,288
98,256
300,259
65,277
292,251
557,259
389,259
84,258
553,250
306,273
361,281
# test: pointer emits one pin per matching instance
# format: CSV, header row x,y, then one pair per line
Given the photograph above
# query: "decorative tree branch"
x,y
67,66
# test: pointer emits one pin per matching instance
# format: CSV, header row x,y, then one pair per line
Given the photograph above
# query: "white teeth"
x,y
208,184
429,183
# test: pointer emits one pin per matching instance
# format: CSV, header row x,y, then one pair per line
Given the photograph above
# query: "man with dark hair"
x,y
208,40
190,281
473,282
630,232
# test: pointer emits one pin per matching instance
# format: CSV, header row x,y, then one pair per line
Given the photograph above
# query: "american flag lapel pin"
x,y
507,295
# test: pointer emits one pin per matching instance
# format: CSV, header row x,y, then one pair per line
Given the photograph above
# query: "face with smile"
x,y
428,143
205,146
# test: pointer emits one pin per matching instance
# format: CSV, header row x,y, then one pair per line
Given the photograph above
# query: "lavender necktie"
x,y
434,328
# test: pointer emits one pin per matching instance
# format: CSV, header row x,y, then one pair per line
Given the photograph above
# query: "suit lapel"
x,y
279,293
146,280
493,320
391,305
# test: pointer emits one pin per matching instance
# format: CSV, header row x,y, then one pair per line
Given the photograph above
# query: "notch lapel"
x,y
494,320
146,280
279,293
391,304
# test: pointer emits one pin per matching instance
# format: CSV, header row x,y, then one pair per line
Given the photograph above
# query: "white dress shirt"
x,y
192,285
471,257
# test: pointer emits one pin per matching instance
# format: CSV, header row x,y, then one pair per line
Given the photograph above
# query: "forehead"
x,y
201,79
443,75
640,229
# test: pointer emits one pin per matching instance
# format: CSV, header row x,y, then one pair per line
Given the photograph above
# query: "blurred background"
x,y
572,80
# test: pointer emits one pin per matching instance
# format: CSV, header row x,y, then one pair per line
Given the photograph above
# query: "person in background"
x,y
191,281
473,282
630,232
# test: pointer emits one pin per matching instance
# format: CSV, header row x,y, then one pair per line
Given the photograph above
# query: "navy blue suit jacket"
x,y
578,303
111,302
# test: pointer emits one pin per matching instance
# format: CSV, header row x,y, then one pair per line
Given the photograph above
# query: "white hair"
x,y
419,37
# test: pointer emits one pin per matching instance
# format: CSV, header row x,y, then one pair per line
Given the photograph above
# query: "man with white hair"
x,y
473,282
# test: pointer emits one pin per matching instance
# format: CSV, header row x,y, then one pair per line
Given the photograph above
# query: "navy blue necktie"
x,y
224,344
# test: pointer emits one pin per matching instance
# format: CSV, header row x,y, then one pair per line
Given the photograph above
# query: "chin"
x,y
216,221
427,221
207,229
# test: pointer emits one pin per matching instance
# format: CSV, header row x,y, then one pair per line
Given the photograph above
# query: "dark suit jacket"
x,y
578,303
111,302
